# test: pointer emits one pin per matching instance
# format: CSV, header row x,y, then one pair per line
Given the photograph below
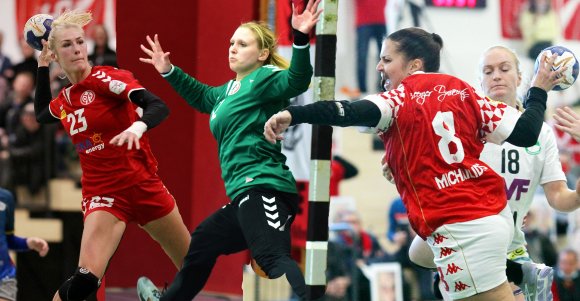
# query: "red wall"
x,y
197,34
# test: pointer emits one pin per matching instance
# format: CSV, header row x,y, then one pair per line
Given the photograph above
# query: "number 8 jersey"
x,y
94,111
434,127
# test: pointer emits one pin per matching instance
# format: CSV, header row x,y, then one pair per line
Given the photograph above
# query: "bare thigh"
x,y
172,234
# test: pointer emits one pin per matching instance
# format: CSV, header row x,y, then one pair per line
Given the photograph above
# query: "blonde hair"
x,y
68,19
267,40
511,51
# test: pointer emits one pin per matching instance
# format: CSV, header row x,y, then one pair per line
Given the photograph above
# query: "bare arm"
x,y
560,197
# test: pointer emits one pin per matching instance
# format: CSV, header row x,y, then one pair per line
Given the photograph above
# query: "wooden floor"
x,y
130,294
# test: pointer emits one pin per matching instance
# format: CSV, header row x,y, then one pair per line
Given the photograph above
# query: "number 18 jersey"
x,y
94,111
433,127
523,169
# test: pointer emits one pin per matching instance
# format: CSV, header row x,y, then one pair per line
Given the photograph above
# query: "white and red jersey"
x,y
434,127
94,111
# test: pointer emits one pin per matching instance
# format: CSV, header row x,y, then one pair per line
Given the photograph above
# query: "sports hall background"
x,y
197,35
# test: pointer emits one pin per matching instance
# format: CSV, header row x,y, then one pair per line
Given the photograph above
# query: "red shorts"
x,y
141,203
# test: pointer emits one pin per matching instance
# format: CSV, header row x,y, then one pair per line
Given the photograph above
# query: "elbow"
x,y
164,112
40,118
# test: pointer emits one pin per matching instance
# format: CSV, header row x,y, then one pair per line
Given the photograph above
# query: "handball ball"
x,y
36,29
565,58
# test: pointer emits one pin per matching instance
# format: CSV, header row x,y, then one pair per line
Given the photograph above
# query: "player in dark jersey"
x,y
262,189
119,183
433,127
9,241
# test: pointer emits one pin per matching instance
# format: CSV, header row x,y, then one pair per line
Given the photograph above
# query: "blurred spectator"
x,y
370,25
359,245
567,280
5,62
540,27
340,169
401,234
416,7
5,172
21,94
398,219
4,90
11,242
28,63
102,54
540,247
28,152
337,273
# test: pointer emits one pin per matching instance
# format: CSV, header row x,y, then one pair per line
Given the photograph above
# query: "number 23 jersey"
x,y
94,111
434,127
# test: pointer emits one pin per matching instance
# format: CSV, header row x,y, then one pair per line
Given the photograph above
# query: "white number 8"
x,y
444,127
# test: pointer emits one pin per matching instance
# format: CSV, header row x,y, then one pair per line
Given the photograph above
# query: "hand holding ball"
x,y
565,59
36,29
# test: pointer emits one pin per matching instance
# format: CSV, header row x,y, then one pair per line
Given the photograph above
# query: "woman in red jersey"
x,y
120,182
434,126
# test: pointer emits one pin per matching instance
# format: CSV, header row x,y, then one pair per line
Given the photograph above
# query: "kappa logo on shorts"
x,y
446,252
452,269
460,286
438,238
2,206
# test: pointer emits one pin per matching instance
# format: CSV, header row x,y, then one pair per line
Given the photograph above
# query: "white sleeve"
x,y
552,170
388,103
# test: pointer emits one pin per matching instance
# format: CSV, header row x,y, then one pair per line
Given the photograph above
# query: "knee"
x,y
79,286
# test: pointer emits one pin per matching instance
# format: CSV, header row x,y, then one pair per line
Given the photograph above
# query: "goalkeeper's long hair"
x,y
70,18
267,40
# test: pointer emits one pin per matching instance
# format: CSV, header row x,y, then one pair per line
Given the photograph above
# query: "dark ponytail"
x,y
416,43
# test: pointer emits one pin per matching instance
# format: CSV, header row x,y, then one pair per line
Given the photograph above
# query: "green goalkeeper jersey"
x,y
238,111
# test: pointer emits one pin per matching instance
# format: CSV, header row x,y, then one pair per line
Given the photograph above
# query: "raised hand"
x,y
276,125
304,21
546,78
568,121
46,56
157,58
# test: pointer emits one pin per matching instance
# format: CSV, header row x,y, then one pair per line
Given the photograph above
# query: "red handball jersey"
x,y
433,127
94,111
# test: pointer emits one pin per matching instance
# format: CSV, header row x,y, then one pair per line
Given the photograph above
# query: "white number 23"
x,y
78,122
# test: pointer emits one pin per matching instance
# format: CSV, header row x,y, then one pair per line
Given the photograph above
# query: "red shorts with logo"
x,y
140,203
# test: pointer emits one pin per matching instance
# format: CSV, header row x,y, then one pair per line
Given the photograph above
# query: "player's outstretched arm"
x,y
304,21
276,125
157,57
